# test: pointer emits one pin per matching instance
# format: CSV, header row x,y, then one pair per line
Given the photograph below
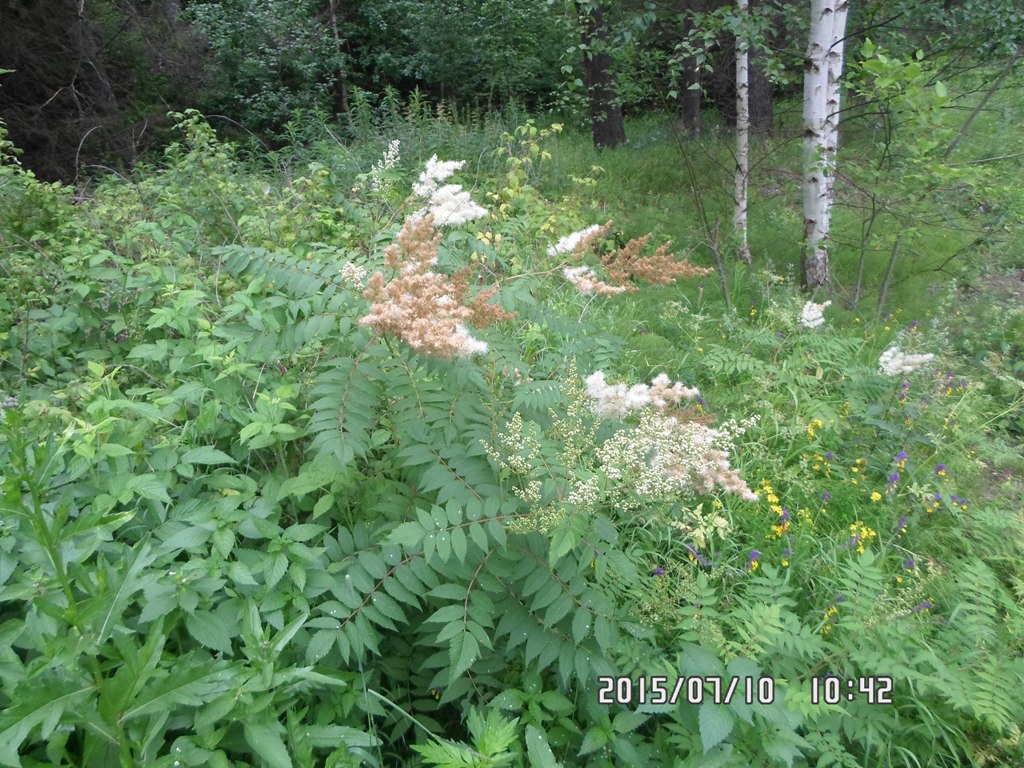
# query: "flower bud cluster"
x,y
425,309
893,361
812,315
450,205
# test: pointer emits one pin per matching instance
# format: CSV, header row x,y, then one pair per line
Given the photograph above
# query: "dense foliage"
x,y
296,471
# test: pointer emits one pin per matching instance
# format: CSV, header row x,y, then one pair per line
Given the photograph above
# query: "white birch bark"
x,y
742,181
822,73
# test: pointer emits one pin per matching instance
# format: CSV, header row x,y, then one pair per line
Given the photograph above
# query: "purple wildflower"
x,y
940,469
698,556
914,324
901,524
830,456
659,571
901,456
893,479
840,598
787,551
922,606
826,497
909,564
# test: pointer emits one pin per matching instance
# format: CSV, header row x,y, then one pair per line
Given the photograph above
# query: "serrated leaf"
x,y
558,610
387,605
462,652
627,722
409,535
538,751
459,544
476,532
148,486
187,538
44,702
208,631
114,603
447,614
604,633
276,570
303,531
716,722
265,740
581,625
190,683
240,573
449,592
206,454
593,740
563,541
320,645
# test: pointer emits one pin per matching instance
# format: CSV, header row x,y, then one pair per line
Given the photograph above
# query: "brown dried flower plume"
x,y
426,309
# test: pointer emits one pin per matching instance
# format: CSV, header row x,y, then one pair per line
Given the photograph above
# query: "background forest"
x,y
464,384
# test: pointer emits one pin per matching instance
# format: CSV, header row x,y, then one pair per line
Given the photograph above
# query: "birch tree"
x,y
823,69
742,181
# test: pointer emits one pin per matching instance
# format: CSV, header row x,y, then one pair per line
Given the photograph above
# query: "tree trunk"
x,y
340,86
606,121
742,181
690,116
822,70
762,111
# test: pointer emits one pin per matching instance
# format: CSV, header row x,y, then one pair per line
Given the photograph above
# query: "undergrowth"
x,y
244,524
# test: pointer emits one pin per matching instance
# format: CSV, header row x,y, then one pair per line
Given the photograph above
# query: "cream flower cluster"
x,y
449,204
616,401
664,455
385,164
894,362
812,315
568,243
353,274
584,280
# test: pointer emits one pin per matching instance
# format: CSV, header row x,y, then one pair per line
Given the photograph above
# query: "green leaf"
x,y
462,652
129,583
716,723
447,614
563,541
265,740
191,682
44,702
148,486
208,630
459,544
626,722
276,570
581,625
303,532
206,454
240,574
476,532
537,749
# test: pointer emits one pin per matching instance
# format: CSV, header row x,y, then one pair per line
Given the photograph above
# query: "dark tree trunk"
x,y
609,130
690,116
761,92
